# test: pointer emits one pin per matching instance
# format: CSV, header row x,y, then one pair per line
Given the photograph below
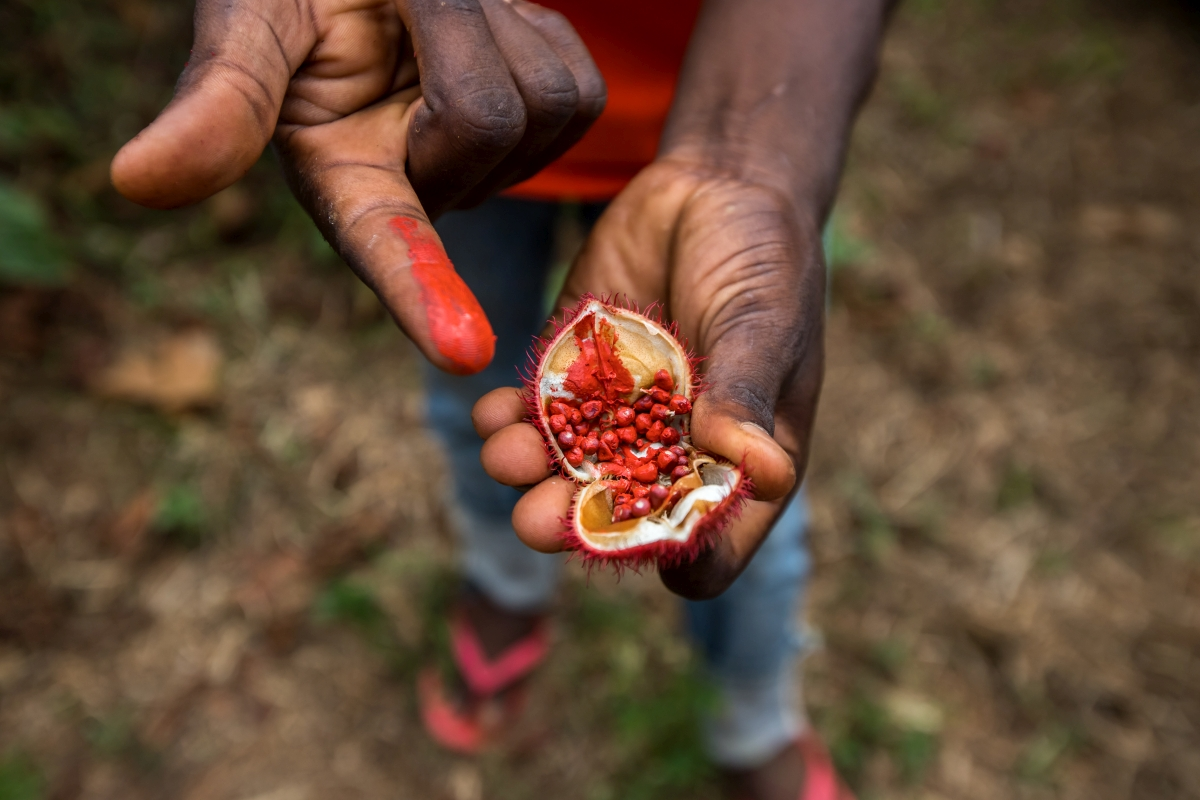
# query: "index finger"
x,y
498,409
350,176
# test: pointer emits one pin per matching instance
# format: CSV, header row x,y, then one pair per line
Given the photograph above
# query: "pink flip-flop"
x,y
496,698
821,781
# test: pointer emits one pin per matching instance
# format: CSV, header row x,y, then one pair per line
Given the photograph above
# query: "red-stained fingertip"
x,y
457,325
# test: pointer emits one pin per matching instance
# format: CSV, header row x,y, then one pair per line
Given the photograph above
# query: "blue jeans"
x,y
748,636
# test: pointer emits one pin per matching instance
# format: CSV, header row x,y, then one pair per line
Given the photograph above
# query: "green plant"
x,y
30,253
1018,486
842,247
181,515
20,779
658,727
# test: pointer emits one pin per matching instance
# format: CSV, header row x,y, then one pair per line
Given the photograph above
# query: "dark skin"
x,y
385,108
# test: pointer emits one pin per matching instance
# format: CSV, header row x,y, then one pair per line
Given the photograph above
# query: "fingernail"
x,y
757,430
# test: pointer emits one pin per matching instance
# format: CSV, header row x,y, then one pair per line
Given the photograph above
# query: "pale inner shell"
x,y
593,517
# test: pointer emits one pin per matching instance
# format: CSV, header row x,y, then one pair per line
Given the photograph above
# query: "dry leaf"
x,y
181,372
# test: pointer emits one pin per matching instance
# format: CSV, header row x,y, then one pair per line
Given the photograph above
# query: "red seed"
x,y
603,451
642,422
591,409
558,423
665,459
646,473
613,468
656,431
627,435
575,416
669,436
574,456
658,494
566,439
560,408
680,472
641,507
624,416
582,430
590,445
680,404
622,513
660,395
677,450
641,444
624,499
644,403
659,411
610,438
639,489
662,379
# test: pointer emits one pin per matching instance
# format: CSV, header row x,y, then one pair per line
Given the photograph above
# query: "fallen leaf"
x,y
180,372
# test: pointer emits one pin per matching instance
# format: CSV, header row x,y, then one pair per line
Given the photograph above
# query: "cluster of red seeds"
x,y
614,432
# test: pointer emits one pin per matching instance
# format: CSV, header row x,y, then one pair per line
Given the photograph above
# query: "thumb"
x,y
225,106
733,430
752,372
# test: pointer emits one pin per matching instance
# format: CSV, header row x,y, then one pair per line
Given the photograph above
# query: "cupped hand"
x,y
739,266
470,95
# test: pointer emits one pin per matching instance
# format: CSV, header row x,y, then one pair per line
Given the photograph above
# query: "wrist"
x,y
756,162
770,96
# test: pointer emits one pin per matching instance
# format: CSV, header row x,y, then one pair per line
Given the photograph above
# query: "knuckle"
x,y
555,97
494,117
593,95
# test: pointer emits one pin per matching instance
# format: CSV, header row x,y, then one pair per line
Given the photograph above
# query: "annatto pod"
x,y
612,392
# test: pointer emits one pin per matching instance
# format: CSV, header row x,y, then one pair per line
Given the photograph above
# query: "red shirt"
x,y
638,46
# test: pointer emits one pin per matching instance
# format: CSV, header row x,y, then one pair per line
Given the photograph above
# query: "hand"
x,y
504,88
740,267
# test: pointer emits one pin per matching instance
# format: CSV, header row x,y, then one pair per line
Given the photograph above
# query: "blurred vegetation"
x,y
78,80
19,779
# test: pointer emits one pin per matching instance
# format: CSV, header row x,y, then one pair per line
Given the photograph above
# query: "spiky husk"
x,y
531,374
665,553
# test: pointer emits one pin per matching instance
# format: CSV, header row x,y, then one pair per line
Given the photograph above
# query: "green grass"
x,y
20,779
658,728
874,534
842,247
1044,753
862,728
30,253
351,603
1018,487
181,515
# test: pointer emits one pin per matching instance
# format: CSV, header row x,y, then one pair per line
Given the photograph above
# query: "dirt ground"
x,y
223,545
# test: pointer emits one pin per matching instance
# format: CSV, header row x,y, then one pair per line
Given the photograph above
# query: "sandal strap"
x,y
485,676
821,781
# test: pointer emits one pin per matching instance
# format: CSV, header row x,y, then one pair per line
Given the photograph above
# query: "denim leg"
x,y
750,643
502,249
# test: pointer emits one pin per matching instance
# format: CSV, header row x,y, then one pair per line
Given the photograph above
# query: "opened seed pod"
x,y
612,392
